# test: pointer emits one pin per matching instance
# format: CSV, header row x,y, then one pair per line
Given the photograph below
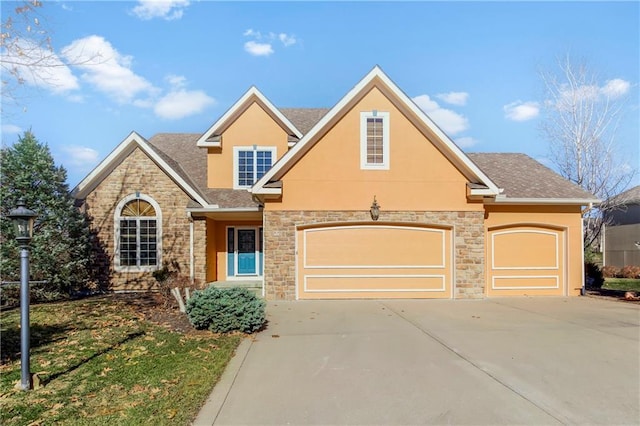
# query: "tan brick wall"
x,y
139,173
280,235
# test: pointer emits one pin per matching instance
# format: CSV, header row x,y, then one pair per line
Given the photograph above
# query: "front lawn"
x,y
103,361
623,284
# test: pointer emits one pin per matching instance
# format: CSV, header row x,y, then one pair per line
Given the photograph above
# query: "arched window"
x,y
138,227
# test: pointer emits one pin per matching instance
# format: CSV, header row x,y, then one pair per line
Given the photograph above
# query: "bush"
x,y
630,272
610,271
594,277
223,310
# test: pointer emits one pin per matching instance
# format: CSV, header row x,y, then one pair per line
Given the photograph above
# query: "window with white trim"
x,y
374,140
138,229
250,163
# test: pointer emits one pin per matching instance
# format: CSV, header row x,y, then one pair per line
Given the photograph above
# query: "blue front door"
x,y
247,252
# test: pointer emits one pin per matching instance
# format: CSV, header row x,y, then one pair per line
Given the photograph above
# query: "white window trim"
x,y
237,149
363,140
116,234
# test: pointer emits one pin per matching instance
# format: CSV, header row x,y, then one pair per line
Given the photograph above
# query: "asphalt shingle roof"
x,y
518,174
523,177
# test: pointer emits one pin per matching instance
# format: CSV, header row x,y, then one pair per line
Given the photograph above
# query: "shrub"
x,y
610,271
630,272
594,275
223,310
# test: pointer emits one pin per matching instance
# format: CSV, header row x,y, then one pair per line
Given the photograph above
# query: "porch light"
x,y
375,209
23,219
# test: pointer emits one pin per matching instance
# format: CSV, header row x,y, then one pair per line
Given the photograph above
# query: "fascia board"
x,y
575,201
105,167
116,156
252,92
297,150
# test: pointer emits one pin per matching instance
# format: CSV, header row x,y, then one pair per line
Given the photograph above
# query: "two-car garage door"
x,y
374,261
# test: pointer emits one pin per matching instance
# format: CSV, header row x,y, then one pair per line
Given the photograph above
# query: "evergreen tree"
x,y
60,247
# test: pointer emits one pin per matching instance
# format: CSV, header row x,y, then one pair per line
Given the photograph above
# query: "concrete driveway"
x,y
499,361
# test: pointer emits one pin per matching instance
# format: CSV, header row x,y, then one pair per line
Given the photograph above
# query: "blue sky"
x,y
176,66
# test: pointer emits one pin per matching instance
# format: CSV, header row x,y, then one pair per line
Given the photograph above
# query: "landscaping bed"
x,y
116,359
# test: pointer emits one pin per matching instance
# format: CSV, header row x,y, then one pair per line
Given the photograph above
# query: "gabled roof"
x,y
630,196
124,149
376,78
525,180
211,138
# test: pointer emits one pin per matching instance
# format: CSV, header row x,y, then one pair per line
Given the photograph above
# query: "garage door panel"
x,y
374,283
531,282
525,249
374,261
369,246
526,260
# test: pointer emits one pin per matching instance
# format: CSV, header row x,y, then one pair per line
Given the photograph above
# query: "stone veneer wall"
x,y
280,236
139,173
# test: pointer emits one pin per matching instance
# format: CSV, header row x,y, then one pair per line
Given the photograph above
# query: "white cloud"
x,y
521,111
616,88
287,40
466,142
251,33
11,129
449,121
40,67
107,70
262,45
165,9
454,98
182,103
80,157
258,49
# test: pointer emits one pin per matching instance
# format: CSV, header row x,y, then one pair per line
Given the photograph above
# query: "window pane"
x,y
264,163
245,168
375,141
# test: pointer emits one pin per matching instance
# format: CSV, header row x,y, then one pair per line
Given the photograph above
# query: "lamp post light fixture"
x,y
375,209
23,219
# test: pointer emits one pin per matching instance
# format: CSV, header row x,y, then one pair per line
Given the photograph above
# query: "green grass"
x,y
102,363
624,284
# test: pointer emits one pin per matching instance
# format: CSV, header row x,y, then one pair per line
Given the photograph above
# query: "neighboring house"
x,y
285,198
621,242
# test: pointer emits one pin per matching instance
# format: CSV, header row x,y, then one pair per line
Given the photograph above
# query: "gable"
x,y
330,177
253,127
130,144
480,184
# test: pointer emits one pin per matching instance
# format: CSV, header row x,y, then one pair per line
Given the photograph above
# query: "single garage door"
x,y
373,261
526,260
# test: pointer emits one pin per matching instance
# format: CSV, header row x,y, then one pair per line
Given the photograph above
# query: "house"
x,y
368,199
621,242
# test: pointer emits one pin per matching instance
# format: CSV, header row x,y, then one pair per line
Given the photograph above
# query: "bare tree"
x,y
582,114
28,57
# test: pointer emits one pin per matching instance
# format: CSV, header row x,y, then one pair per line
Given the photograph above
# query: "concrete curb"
x,y
209,412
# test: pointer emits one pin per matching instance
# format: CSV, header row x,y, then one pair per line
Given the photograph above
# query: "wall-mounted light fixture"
x,y
375,209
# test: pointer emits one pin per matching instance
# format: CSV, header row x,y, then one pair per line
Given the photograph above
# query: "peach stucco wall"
x,y
566,219
329,176
253,127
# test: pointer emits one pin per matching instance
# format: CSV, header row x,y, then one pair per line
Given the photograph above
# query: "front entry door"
x,y
247,252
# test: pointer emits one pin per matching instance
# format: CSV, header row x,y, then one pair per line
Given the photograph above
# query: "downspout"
x,y
583,290
261,204
192,271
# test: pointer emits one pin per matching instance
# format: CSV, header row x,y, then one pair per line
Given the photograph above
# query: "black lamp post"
x,y
23,219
